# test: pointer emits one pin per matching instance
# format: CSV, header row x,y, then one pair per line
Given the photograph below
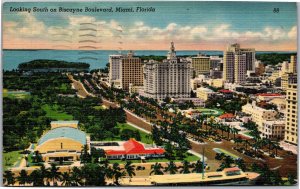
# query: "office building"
x,y
201,64
236,62
239,68
287,78
293,65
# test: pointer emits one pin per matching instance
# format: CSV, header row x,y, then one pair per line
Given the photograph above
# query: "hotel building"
x,y
291,125
170,78
131,71
114,69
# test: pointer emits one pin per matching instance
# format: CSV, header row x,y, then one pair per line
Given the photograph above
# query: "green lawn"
x,y
11,158
99,107
248,133
15,94
54,113
145,138
213,112
64,86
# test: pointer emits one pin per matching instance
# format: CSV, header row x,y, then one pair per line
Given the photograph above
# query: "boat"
x,y
229,176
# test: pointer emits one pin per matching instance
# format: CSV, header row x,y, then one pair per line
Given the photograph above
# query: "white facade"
x,y
273,129
239,68
205,93
236,63
259,115
170,78
196,101
114,68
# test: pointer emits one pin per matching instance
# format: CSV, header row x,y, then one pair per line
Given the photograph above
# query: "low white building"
x,y
259,115
196,101
273,129
205,93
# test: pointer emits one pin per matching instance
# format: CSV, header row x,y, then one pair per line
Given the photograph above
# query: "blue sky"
x,y
201,25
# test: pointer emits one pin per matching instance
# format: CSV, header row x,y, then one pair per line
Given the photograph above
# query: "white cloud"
x,y
293,33
112,31
28,26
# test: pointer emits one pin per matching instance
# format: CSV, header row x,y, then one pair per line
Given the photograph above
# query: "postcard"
x,y
161,93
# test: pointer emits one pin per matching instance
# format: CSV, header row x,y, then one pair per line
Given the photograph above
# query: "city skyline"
x,y
205,26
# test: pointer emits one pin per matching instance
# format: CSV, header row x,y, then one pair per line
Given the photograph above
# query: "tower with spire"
x,y
172,52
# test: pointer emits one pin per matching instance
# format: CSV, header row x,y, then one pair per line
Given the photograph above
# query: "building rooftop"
x,y
64,132
64,122
134,147
225,91
205,90
226,116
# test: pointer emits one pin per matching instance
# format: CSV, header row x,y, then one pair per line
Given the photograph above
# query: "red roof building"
x,y
225,91
269,94
132,149
227,116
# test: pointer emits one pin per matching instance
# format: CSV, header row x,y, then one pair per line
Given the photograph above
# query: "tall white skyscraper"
x,y
236,62
114,68
170,78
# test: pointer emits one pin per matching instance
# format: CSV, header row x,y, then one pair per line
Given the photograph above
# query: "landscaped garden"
x,y
10,159
127,131
210,112
15,94
53,112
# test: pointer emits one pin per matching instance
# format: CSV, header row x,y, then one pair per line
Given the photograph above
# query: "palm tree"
x,y
9,178
237,141
256,145
234,132
66,179
228,130
156,169
54,175
172,168
129,168
109,173
276,146
221,127
185,167
241,164
246,142
198,167
117,172
45,173
76,177
23,177
37,178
